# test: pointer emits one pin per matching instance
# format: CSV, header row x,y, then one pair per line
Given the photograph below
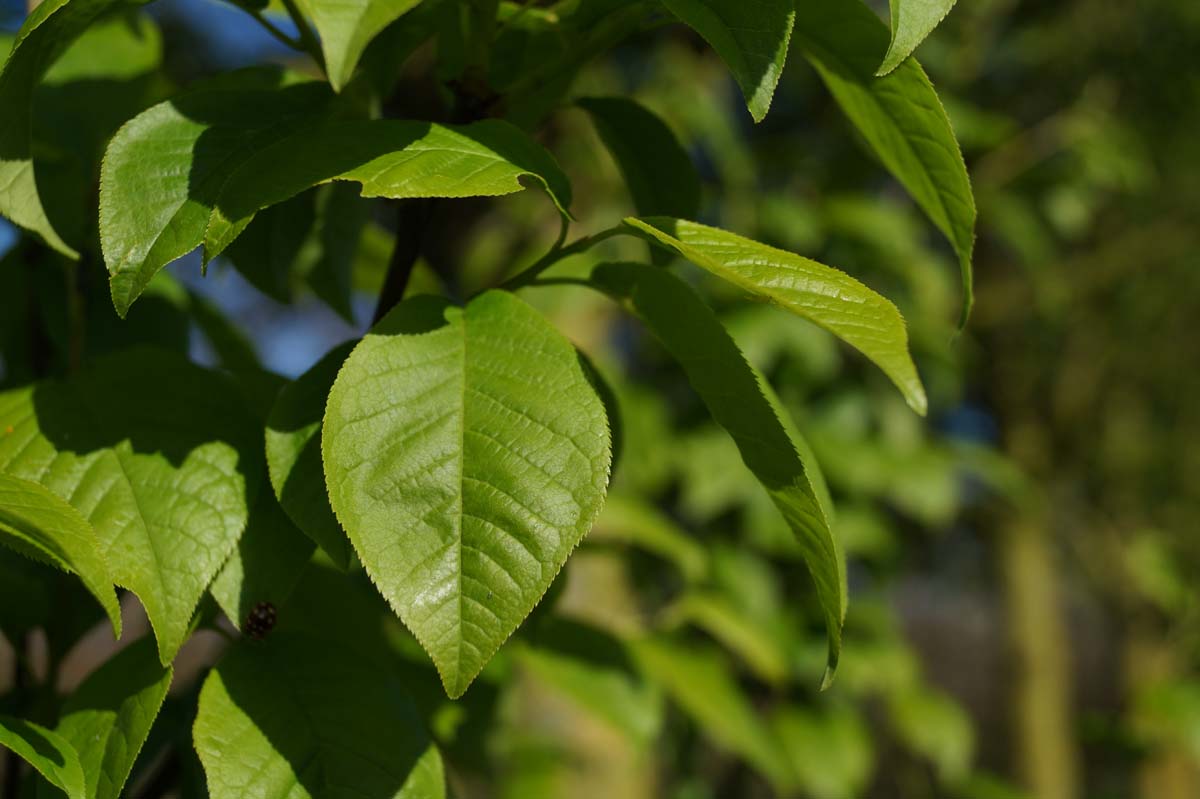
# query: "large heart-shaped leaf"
x,y
108,718
46,751
466,454
160,456
899,116
47,32
751,38
295,718
734,395
824,295
40,524
346,28
294,454
912,21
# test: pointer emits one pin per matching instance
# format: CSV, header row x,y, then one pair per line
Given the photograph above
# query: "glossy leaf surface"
x,y
466,454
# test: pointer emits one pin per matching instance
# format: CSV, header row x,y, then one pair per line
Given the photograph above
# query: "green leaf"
x,y
912,21
48,31
748,636
47,752
466,454
346,28
108,718
658,171
733,393
751,38
701,682
294,455
823,295
160,456
292,717
390,158
266,566
37,523
899,116
164,169
641,524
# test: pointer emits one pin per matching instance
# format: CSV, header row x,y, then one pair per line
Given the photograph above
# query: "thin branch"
x,y
556,254
308,40
412,220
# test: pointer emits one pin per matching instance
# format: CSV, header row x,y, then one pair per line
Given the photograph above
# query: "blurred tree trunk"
x,y
1047,760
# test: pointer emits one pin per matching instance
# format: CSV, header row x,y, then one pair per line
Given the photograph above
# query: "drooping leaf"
x,y
912,21
658,172
267,564
346,28
899,116
390,158
751,38
733,393
466,454
294,455
160,456
701,682
46,751
164,169
824,295
294,718
48,30
109,716
38,523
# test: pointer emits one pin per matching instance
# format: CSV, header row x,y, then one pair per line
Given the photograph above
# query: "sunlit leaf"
x,y
826,296
912,21
46,751
294,718
38,523
466,454
346,28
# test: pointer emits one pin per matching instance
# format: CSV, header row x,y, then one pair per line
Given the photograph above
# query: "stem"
x,y
308,40
556,254
412,220
271,28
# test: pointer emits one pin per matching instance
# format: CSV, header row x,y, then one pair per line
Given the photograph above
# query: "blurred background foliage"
x,y
1023,564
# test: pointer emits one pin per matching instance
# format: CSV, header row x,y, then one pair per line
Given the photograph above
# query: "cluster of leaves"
x,y
456,455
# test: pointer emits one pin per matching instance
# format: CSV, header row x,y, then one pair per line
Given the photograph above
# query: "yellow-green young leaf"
x,y
295,718
823,295
466,454
346,27
750,37
732,391
294,455
390,158
38,523
164,169
48,31
46,751
912,21
160,456
702,683
899,116
658,172
108,718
